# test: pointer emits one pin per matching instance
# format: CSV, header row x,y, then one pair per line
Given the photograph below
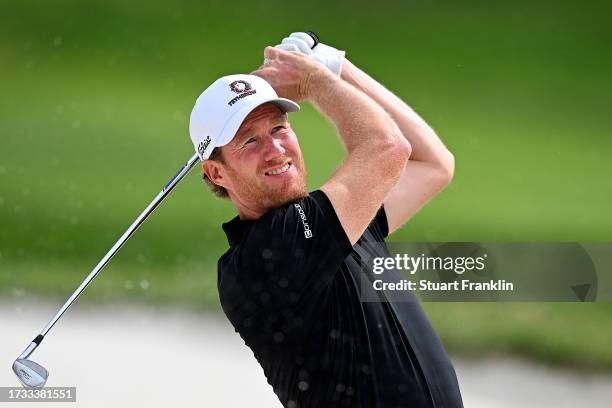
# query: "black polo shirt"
x,y
290,284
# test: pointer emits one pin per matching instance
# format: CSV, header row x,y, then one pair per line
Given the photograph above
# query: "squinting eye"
x,y
251,140
277,128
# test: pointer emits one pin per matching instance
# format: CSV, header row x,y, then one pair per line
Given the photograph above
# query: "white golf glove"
x,y
326,55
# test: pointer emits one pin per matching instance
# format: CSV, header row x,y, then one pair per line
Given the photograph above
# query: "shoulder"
x,y
295,238
310,218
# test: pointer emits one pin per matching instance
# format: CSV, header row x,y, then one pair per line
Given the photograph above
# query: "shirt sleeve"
x,y
302,244
379,223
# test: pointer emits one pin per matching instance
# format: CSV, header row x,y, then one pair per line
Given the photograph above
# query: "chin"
x,y
292,197
290,194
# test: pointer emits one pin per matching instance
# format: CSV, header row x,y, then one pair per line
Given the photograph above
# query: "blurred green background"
x,y
94,115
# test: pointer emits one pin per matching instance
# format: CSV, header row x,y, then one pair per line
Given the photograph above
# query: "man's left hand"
x,y
291,73
300,42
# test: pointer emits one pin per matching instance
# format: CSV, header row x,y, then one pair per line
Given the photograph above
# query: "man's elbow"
x,y
405,147
398,154
447,169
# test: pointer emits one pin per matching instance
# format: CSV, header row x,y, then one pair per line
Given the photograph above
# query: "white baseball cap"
x,y
221,108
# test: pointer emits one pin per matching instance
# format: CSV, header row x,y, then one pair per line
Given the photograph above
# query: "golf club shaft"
x,y
126,235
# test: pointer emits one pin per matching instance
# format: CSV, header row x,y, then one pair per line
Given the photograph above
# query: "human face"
x,y
264,163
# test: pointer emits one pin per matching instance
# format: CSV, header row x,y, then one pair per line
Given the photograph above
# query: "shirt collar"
x,y
235,229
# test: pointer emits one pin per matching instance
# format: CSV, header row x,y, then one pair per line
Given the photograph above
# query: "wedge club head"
x,y
30,374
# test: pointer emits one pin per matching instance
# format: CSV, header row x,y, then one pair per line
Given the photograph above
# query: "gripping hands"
x,y
304,43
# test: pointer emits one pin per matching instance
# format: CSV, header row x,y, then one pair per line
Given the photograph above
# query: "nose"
x,y
273,148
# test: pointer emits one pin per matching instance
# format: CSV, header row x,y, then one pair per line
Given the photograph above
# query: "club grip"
x,y
314,37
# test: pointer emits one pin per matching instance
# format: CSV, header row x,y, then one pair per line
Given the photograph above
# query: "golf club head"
x,y
30,374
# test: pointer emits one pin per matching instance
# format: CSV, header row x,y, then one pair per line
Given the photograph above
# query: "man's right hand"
x,y
292,74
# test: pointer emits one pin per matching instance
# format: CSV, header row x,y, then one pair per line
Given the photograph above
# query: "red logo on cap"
x,y
240,86
243,89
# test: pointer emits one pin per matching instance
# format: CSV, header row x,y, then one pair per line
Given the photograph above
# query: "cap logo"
x,y
243,88
203,145
240,86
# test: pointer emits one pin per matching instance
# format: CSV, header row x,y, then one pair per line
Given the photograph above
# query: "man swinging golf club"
x,y
290,283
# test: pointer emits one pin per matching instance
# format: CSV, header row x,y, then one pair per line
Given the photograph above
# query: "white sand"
x,y
143,356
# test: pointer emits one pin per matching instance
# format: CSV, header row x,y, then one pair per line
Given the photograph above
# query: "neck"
x,y
246,212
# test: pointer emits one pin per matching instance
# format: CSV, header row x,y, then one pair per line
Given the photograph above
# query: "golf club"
x,y
33,375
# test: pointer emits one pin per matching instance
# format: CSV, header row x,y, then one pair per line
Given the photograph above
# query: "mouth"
x,y
278,171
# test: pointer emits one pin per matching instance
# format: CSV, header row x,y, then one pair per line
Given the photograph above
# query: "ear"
x,y
216,172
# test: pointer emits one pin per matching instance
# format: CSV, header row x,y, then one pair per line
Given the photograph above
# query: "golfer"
x,y
291,280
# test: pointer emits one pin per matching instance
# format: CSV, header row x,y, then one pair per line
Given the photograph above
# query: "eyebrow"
x,y
246,130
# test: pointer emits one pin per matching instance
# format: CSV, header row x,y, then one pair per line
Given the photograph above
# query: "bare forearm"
x,y
356,116
426,145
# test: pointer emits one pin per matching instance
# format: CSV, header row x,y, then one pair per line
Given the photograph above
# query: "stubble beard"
x,y
264,197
